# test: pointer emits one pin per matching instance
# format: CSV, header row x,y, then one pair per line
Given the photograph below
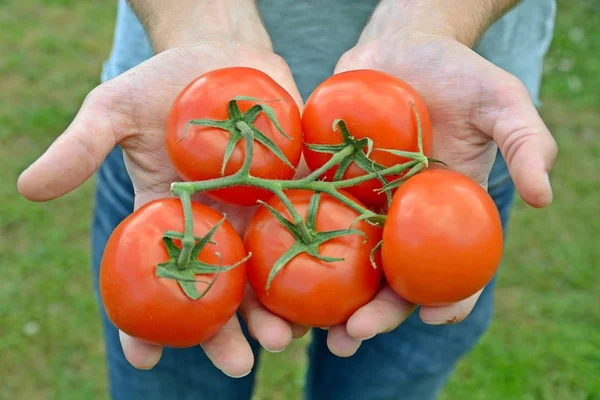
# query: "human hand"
x,y
131,111
475,108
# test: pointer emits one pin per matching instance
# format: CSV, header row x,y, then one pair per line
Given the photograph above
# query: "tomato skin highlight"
x,y
372,104
156,310
442,240
308,291
199,155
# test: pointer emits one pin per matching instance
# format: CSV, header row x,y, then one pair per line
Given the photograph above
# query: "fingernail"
x,y
549,183
237,377
367,338
273,351
435,322
546,199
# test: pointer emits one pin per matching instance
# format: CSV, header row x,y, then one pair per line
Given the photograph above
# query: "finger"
x,y
140,354
299,331
340,343
75,155
271,331
450,314
526,144
382,314
229,350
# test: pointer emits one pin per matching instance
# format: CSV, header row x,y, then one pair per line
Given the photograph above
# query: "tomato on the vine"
x,y
156,310
308,291
372,104
198,154
442,239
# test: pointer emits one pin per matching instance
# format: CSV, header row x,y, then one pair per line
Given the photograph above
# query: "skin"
x,y
442,240
131,294
199,155
307,291
467,130
356,97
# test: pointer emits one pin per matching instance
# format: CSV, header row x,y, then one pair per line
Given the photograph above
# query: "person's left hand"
x,y
475,108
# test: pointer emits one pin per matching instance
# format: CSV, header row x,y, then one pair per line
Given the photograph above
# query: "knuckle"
x,y
508,84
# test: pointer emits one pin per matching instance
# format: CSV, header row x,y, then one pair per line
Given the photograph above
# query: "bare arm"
x,y
463,20
188,22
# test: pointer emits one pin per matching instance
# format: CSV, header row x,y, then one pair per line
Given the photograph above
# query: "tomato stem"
x,y
183,264
188,241
349,151
419,130
274,186
332,162
248,136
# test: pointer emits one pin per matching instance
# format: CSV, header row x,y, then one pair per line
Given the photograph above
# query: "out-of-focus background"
x,y
544,342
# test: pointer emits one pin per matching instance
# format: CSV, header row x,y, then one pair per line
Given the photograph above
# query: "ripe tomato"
x,y
442,240
372,104
308,291
156,310
199,156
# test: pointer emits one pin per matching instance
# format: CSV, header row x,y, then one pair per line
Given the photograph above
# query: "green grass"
x,y
543,344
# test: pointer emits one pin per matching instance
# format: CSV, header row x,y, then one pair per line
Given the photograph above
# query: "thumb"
x,y
525,142
78,152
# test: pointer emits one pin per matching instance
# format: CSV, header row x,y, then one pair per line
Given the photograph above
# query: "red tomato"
x,y
442,240
199,156
372,104
308,291
156,310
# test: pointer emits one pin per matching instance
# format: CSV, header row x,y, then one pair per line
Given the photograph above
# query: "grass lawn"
x,y
544,342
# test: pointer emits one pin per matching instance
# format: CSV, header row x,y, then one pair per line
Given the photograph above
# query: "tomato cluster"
x,y
174,271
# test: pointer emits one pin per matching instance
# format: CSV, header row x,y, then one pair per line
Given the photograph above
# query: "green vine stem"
x,y
274,186
312,182
241,126
188,240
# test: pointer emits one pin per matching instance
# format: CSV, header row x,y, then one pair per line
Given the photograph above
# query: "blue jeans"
x,y
412,362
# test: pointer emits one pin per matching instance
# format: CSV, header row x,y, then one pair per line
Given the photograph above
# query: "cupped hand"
x,y
131,111
475,108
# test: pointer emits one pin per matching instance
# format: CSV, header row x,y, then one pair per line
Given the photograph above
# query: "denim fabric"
x,y
412,362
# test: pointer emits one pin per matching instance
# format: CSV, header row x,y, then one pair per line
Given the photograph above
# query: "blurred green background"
x,y
543,344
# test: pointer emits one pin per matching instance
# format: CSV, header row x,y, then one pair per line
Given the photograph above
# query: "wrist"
x,y
463,21
192,22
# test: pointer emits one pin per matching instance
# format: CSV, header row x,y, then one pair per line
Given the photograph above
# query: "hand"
x,y
475,107
131,111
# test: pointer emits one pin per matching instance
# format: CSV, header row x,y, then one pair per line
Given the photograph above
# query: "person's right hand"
x,y
131,111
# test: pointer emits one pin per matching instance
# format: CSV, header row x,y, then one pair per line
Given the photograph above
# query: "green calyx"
x,y
186,275
235,126
305,243
360,156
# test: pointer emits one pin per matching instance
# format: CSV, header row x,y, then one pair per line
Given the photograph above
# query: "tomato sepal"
x,y
374,252
363,148
237,125
308,240
255,110
186,275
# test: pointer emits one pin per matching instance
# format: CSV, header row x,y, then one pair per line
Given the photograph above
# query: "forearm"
x,y
188,22
464,20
